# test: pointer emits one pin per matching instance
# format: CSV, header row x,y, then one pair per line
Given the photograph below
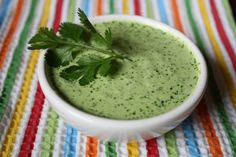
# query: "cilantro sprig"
x,y
72,39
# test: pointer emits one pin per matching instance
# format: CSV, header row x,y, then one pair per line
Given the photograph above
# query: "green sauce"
x,y
162,75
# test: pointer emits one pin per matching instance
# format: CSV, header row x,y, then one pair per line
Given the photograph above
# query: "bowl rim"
x,y
75,115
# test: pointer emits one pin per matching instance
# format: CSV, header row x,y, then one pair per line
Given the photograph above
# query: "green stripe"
x,y
229,16
111,5
16,60
49,135
110,149
71,12
171,145
228,128
149,9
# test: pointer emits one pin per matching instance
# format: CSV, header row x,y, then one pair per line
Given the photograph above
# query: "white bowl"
x,y
110,129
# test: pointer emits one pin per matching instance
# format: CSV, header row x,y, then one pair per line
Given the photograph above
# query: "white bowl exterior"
x,y
127,129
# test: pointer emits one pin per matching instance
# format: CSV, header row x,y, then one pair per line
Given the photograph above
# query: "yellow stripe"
x,y
133,150
125,8
24,92
218,53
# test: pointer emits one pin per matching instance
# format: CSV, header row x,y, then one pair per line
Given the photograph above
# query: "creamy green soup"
x,y
163,73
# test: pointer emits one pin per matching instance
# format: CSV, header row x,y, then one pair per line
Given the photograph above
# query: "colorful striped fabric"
x,y
29,127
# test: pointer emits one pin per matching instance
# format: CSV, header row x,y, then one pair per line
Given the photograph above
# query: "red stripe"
x,y
137,10
57,19
32,126
152,148
222,33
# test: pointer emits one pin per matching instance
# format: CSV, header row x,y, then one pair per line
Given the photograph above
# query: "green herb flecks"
x,y
72,39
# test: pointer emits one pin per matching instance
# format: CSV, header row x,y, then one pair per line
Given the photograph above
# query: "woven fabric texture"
x,y
29,127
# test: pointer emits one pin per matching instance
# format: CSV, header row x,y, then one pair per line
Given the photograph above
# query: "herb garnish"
x,y
72,39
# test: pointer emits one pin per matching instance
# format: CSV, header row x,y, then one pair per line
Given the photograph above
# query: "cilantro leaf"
x,y
59,56
70,31
71,73
98,39
108,37
88,68
85,21
44,39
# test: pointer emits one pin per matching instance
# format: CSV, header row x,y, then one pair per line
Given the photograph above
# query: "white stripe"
x,y
78,3
226,25
106,7
64,13
92,8
78,144
143,8
142,148
102,148
155,10
184,20
58,149
131,7
118,6
51,13
82,145
162,146
180,141
122,149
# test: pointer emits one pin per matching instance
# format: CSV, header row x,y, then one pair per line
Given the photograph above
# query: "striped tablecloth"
x,y
29,127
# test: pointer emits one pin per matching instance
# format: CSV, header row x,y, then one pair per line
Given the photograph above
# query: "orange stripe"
x,y
91,147
212,139
13,26
99,7
176,16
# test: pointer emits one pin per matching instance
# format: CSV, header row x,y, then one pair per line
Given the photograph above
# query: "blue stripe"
x,y
4,10
190,138
85,6
70,142
162,10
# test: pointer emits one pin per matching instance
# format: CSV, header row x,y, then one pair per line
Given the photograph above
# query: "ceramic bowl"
x,y
110,129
